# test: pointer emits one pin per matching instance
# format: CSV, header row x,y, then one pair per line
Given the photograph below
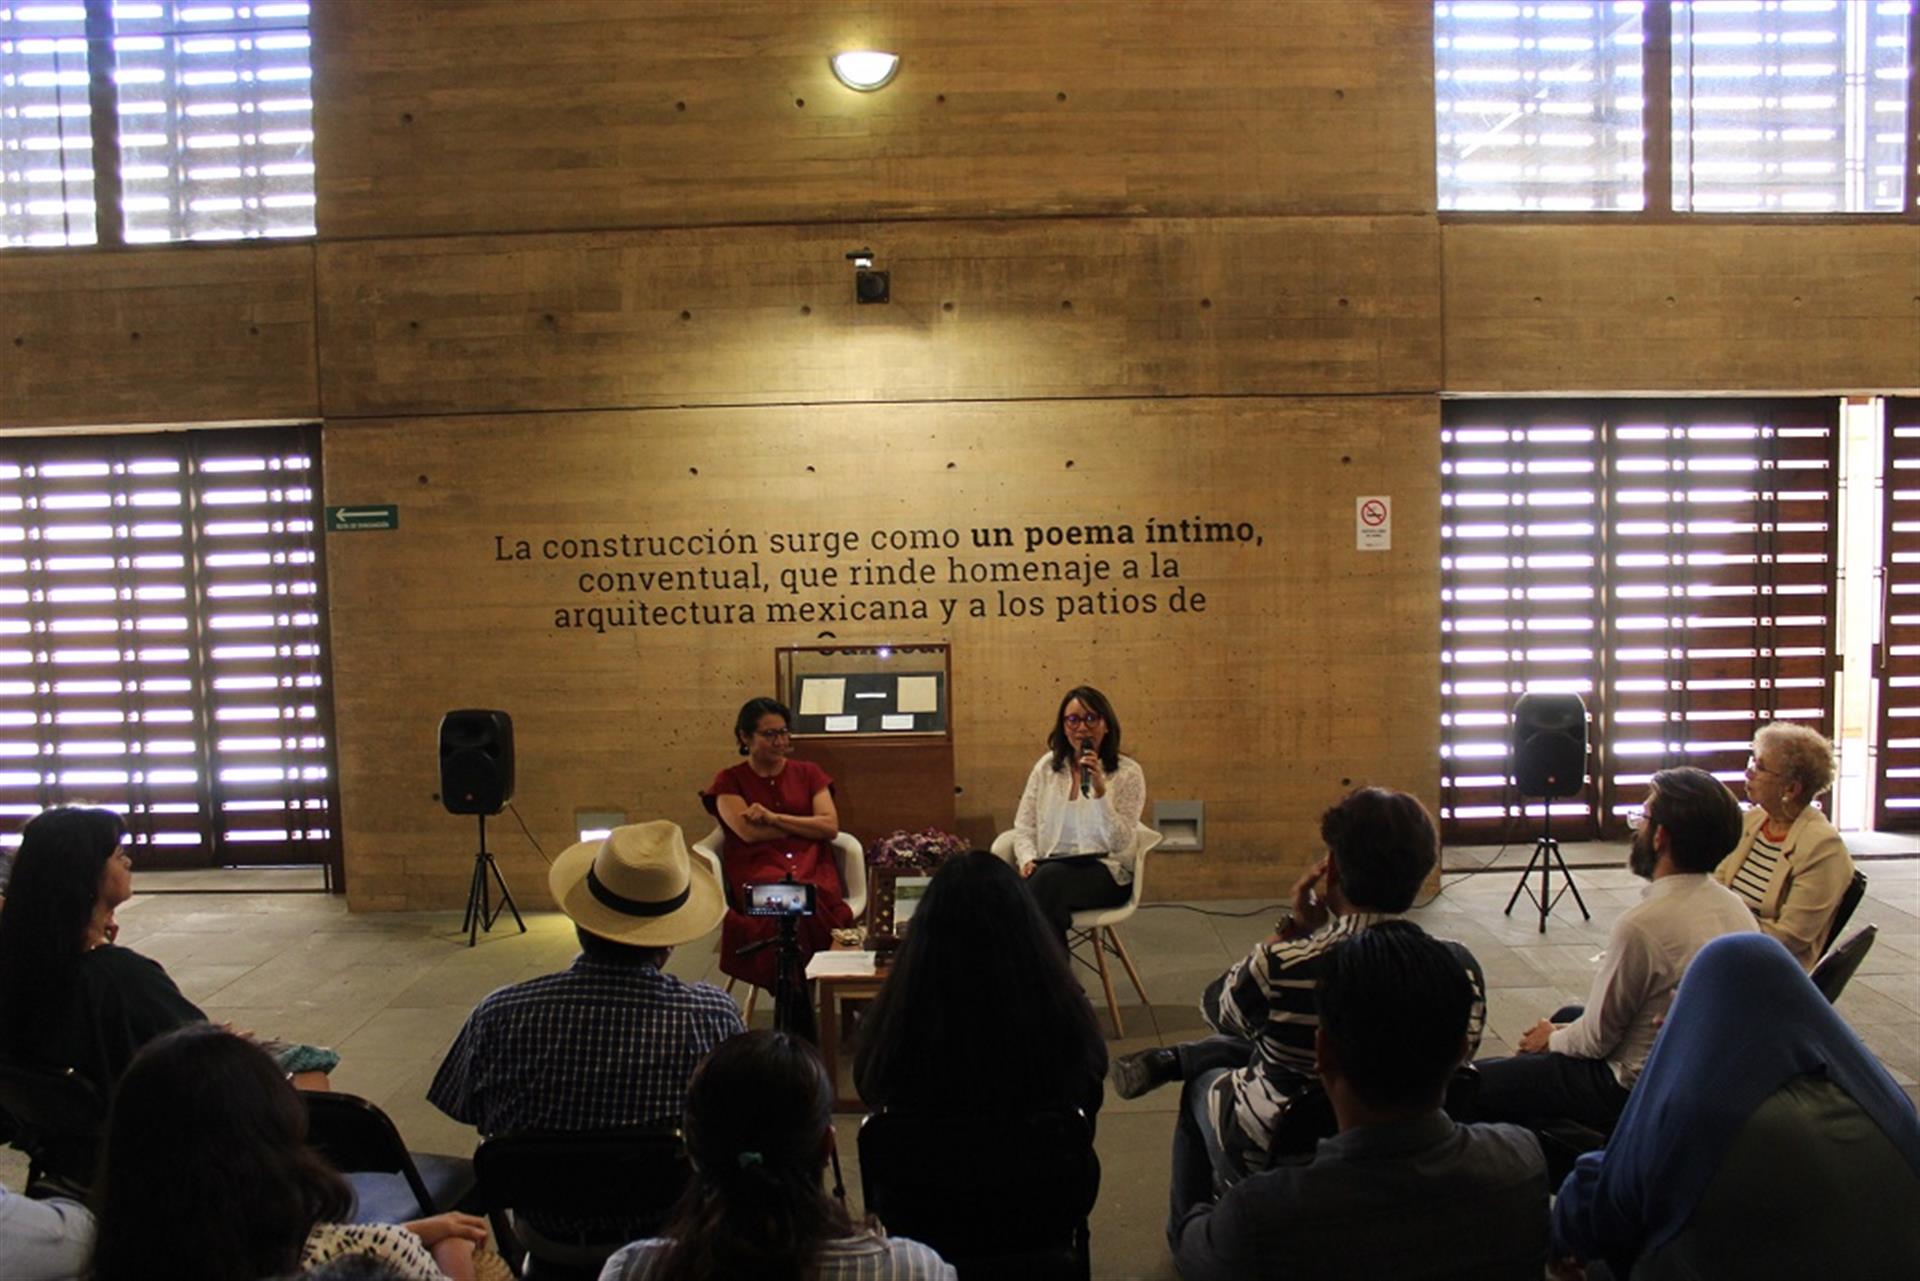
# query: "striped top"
x,y
868,1256
1756,872
1271,999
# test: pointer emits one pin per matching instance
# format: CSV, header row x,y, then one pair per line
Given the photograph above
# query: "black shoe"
x,y
1134,1074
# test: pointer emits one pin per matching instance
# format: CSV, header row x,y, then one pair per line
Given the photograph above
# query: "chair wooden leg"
x,y
753,998
1121,949
1106,981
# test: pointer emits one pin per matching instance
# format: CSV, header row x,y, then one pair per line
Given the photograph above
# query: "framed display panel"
x,y
890,755
865,689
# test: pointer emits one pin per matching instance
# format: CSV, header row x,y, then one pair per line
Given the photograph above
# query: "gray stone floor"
x,y
389,991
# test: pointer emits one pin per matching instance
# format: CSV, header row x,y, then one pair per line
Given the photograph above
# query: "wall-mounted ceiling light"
x,y
869,285
864,69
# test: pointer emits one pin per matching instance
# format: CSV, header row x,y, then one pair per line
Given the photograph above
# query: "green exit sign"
x,y
364,516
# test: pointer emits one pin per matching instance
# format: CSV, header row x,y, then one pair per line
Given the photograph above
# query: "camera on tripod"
x,y
780,898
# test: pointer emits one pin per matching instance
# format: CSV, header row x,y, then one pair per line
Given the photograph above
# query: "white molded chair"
x,y
849,856
1095,926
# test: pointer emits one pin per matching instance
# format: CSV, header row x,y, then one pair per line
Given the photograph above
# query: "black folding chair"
x,y
56,1118
1837,966
1849,900
562,1202
390,1184
1002,1199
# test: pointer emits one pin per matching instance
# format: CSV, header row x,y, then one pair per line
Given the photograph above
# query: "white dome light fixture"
x,y
864,70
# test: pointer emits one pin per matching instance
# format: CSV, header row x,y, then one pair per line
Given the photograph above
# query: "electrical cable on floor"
x,y
529,831
1459,872
1204,911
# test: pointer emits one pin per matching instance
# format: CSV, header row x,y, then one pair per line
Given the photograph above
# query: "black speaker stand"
x,y
1546,856
482,911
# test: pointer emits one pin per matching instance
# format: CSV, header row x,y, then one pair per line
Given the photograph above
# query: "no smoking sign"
x,y
1373,523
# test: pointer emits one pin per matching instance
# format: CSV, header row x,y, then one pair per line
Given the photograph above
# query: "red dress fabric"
x,y
744,863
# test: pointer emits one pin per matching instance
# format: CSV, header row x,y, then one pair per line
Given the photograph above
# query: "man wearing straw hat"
x,y
612,1039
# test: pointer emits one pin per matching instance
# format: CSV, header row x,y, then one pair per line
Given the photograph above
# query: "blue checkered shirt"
x,y
594,1046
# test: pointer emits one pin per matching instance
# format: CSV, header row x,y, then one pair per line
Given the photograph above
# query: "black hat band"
x,y
636,906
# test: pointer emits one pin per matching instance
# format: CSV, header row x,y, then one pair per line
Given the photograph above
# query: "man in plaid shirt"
x,y
611,1040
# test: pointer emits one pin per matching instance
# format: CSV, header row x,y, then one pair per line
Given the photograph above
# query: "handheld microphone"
x,y
1086,775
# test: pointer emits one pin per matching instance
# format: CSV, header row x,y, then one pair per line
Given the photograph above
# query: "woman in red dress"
x,y
779,819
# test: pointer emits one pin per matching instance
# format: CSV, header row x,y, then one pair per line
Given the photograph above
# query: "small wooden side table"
x,y
844,979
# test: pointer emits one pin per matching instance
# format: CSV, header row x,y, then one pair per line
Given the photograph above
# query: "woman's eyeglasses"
x,y
1081,722
774,735
1755,767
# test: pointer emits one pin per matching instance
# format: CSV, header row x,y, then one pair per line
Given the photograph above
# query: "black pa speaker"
x,y
1549,745
476,761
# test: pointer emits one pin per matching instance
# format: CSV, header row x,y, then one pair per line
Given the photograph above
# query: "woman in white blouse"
x,y
1790,867
1073,833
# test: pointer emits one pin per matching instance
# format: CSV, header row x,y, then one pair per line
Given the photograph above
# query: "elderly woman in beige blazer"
x,y
1790,866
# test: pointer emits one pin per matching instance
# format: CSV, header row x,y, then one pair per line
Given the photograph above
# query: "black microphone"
x,y
1086,774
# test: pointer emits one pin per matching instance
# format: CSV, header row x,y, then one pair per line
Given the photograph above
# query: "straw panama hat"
x,y
638,886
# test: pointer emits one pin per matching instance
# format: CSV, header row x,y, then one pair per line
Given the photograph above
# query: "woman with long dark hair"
x,y
1074,829
779,819
69,997
759,1130
206,1173
981,1011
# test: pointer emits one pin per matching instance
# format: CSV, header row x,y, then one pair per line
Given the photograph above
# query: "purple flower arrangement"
x,y
915,853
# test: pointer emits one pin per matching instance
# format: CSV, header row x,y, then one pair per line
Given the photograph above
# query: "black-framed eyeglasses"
x,y
1638,820
1075,721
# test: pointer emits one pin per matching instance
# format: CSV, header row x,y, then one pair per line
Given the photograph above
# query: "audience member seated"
x,y
1791,867
69,996
779,820
1073,831
759,1130
1403,1191
1381,845
44,1240
981,1011
1580,1064
207,1174
1762,1140
613,1039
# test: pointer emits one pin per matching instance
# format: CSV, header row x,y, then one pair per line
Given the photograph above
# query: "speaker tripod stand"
x,y
482,911
1546,857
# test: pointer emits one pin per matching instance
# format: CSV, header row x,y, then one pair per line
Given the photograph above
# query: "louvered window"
x,y
1798,106
162,642
1671,562
1539,106
46,130
1696,106
1897,775
212,121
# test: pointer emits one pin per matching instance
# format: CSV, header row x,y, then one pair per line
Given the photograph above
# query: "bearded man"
x,y
1581,1064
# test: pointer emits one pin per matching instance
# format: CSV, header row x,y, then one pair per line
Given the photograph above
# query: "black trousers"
x,y
1538,1089
1063,886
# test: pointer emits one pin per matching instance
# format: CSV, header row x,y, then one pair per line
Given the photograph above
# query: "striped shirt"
x,y
1269,999
1756,871
869,1256
597,1045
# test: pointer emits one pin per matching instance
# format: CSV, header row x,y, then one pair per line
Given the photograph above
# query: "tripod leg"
x,y
1519,885
1550,850
1570,884
506,898
476,899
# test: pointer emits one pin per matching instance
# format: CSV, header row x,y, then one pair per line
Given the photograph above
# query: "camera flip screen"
x,y
780,898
